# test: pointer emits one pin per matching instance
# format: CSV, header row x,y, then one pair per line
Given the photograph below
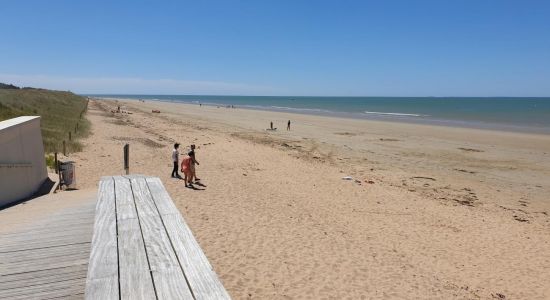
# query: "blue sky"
x,y
348,48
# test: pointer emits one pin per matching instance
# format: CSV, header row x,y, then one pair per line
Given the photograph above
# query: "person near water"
x,y
186,168
271,125
288,125
175,160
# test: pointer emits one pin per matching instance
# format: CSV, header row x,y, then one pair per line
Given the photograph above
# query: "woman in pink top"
x,y
186,168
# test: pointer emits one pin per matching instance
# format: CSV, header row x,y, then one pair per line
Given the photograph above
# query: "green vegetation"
x,y
50,161
61,112
8,86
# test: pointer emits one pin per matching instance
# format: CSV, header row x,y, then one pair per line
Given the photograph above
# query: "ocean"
x,y
525,114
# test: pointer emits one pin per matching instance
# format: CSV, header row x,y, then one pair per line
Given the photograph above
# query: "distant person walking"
x,y
271,125
288,125
175,160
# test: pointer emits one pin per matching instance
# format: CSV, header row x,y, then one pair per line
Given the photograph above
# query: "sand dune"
x,y
431,212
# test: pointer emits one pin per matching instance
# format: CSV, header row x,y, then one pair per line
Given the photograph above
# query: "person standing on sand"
x,y
271,125
288,125
193,162
175,160
186,168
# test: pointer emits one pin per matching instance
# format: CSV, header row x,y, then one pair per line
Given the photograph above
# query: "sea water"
x,y
525,114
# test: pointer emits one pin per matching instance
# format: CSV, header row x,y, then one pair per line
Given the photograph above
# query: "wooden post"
x,y
127,158
64,148
56,166
59,173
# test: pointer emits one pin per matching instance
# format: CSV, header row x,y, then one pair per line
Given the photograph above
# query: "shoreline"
x,y
381,127
367,116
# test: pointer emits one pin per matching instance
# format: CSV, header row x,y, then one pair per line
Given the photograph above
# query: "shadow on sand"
x,y
192,186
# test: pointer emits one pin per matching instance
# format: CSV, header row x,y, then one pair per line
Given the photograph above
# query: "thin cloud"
x,y
132,85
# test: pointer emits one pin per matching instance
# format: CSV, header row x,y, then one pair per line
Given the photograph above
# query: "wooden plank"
x,y
55,223
43,255
102,288
133,176
159,250
53,219
135,277
164,203
87,221
102,280
43,265
41,276
49,228
72,294
125,207
39,285
67,213
55,242
170,283
38,264
37,291
46,257
142,198
45,242
12,257
202,279
52,230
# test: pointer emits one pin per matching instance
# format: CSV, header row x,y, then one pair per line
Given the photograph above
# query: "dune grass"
x,y
60,113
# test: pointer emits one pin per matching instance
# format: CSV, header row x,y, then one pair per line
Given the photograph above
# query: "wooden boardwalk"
x,y
143,249
45,246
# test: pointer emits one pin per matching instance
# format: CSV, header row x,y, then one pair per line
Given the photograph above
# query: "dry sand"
x,y
450,214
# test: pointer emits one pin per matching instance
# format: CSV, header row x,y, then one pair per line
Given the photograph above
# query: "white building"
x,y
22,162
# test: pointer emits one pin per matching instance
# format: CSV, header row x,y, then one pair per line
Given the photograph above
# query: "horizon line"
x,y
302,96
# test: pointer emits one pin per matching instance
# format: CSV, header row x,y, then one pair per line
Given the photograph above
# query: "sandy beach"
x,y
430,213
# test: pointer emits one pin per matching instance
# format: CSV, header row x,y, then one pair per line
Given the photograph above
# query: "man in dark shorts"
x,y
193,163
175,160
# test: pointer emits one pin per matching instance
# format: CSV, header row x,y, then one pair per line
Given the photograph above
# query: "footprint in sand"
x,y
346,133
423,177
470,149
465,171
523,203
520,219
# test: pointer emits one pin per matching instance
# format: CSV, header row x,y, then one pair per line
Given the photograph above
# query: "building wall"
x,y
22,163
